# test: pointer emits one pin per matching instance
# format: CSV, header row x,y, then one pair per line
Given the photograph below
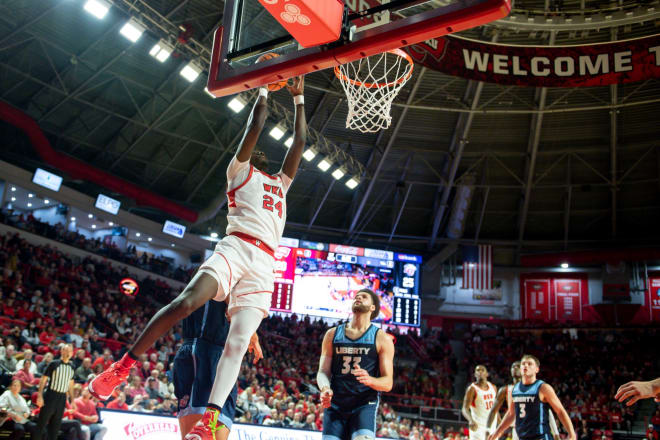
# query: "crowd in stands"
x,y
59,232
48,298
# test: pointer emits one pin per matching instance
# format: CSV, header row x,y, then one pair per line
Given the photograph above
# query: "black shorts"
x,y
340,424
194,373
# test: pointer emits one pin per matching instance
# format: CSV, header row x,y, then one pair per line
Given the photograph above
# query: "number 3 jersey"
x,y
256,202
532,415
347,355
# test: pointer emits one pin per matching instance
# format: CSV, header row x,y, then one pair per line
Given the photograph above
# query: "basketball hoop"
x,y
371,84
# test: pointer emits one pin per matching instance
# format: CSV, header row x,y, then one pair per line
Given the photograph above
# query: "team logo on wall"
x,y
129,287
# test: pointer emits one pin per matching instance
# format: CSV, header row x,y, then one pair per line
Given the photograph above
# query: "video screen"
x,y
323,282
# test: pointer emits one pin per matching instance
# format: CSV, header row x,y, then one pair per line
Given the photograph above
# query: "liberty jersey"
x,y
532,415
347,355
482,403
256,202
208,323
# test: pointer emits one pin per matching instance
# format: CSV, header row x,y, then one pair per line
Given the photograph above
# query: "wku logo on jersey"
x,y
268,201
274,190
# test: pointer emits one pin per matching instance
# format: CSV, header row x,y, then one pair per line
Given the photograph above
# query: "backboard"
x,y
370,27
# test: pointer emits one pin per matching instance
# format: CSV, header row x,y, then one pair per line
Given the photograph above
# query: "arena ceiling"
x,y
552,168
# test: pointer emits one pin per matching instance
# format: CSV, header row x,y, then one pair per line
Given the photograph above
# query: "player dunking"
x,y
356,364
478,401
532,399
241,266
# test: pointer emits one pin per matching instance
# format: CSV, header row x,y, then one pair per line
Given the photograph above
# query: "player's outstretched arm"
x,y
292,159
385,347
255,124
638,390
507,421
499,400
325,368
467,401
547,394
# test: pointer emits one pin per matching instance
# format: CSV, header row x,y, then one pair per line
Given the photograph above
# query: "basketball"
x,y
276,85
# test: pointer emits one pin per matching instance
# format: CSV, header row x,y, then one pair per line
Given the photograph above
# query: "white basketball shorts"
x,y
244,272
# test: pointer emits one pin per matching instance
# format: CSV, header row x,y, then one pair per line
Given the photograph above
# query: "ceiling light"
x,y
137,234
289,142
149,239
172,244
93,226
161,50
30,195
13,199
46,201
29,205
352,182
13,188
564,265
237,103
325,164
132,30
278,131
214,234
98,8
310,153
190,71
111,223
339,173
73,219
90,216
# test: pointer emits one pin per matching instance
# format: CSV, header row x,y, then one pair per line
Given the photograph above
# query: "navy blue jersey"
x,y
347,355
208,322
532,415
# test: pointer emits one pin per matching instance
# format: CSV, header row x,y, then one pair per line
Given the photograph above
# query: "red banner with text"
x,y
536,299
555,297
543,66
653,299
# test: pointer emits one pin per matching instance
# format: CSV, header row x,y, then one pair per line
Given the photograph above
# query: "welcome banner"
x,y
543,66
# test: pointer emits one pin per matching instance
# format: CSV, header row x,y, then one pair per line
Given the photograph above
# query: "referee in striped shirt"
x,y
59,374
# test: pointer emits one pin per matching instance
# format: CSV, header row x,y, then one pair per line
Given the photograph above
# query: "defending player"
x,y
478,401
503,394
241,266
195,363
356,364
532,399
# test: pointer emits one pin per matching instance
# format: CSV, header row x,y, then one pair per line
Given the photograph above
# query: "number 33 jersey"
x,y
347,355
256,202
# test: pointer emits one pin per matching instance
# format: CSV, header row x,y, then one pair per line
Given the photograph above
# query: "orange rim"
x,y
397,52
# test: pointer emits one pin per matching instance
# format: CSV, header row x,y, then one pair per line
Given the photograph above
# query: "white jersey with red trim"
x,y
482,403
257,202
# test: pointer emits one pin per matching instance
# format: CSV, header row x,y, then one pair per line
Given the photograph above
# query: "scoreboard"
x,y
321,279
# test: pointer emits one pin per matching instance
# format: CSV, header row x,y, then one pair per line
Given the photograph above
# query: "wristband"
x,y
299,99
263,91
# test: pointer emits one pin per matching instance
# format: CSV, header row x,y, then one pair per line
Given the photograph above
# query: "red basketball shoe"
x,y
206,428
105,383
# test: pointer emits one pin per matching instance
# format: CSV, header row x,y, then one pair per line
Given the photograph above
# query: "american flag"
x,y
478,267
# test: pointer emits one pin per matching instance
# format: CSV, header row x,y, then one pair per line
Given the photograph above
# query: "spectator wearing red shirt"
x,y
119,403
85,411
25,376
105,360
9,309
651,434
47,336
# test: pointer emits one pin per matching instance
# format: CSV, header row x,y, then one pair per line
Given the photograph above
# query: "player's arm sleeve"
x,y
553,424
325,361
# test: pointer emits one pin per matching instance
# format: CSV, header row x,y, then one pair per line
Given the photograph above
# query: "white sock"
x,y
243,324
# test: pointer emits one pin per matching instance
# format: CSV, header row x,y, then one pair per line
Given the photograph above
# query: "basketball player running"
x,y
479,399
356,364
241,266
532,399
504,393
195,363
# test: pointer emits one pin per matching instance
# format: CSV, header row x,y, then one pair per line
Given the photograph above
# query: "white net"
x,y
371,84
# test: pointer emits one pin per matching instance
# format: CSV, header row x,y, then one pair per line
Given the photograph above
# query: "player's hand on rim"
x,y
298,86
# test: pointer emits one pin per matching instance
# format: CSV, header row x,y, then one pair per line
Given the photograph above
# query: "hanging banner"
x,y
537,299
569,300
542,66
653,299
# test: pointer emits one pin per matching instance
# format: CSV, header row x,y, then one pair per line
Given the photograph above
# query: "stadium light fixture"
x,y
73,219
310,153
30,195
172,244
339,173
29,205
161,50
288,142
191,71
564,265
132,30
137,234
98,8
325,164
352,182
13,199
237,104
214,235
90,216
93,226
278,131
13,188
46,201
149,239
